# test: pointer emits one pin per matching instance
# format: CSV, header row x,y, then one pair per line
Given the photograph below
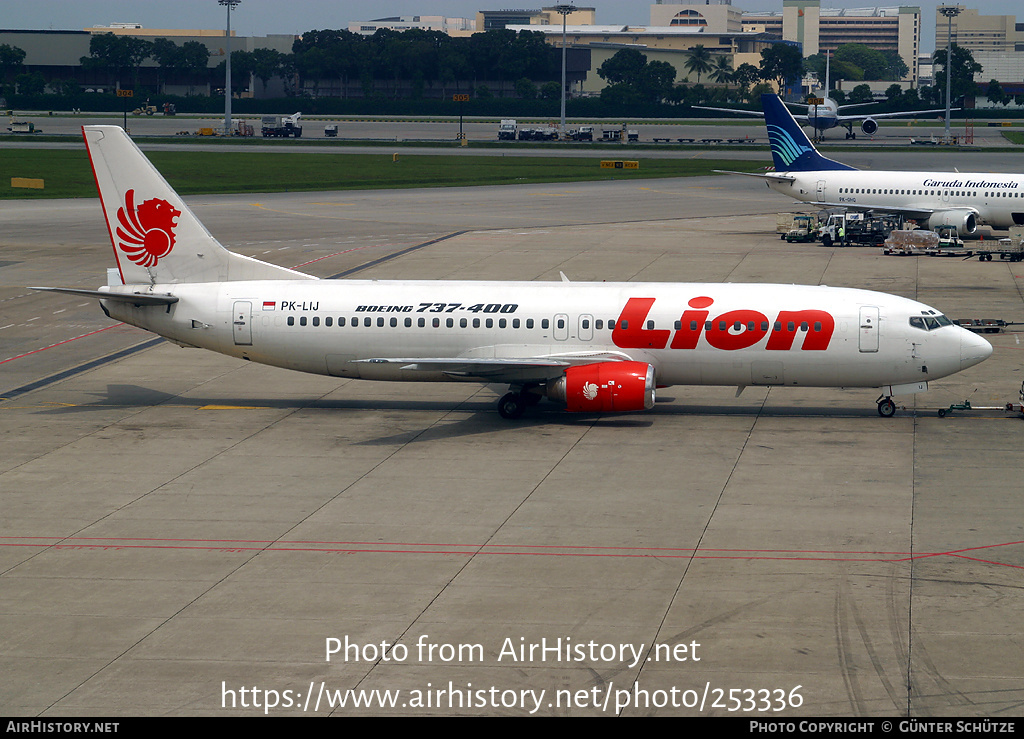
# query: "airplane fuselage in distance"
x,y
997,199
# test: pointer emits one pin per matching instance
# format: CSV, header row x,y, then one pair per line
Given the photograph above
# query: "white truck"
x,y
508,129
282,127
786,222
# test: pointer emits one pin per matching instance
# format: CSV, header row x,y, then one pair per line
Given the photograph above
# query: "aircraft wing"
x,y
500,369
913,213
757,113
900,114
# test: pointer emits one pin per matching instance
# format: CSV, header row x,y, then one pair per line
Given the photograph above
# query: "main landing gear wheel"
x,y
512,405
886,408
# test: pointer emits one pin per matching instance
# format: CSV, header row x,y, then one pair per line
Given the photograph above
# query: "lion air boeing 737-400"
x,y
961,200
593,346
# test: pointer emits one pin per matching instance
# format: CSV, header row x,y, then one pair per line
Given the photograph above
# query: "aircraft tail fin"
x,y
792,151
156,238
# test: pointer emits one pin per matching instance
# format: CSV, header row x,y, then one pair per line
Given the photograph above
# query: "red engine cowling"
x,y
605,387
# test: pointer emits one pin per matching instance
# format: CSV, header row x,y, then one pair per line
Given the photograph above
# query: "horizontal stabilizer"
x,y
763,175
133,298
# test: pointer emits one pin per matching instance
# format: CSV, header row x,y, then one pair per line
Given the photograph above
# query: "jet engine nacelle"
x,y
964,221
869,126
605,387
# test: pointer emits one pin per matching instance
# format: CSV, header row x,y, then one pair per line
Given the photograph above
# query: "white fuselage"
x,y
997,199
823,117
699,334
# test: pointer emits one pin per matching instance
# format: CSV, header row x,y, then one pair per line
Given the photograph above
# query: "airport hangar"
x,y
181,527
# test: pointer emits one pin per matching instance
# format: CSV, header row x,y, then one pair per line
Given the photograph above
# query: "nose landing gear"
x,y
886,408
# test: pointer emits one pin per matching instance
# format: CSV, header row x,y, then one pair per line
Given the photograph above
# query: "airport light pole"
x,y
951,12
227,67
564,11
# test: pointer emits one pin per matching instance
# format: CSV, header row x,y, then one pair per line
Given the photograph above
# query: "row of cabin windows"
x,y
529,323
954,193
420,322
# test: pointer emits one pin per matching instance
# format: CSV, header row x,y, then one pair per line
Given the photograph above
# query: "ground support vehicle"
x,y
910,243
331,131
1009,254
1010,249
983,325
147,109
278,127
583,133
786,222
805,229
507,129
861,229
538,134
1017,408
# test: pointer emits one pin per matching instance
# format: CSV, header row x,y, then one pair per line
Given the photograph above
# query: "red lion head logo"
x,y
146,234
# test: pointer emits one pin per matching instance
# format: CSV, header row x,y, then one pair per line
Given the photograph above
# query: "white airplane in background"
x,y
827,115
959,199
594,346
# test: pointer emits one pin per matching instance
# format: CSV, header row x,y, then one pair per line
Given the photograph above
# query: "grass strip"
x,y
67,174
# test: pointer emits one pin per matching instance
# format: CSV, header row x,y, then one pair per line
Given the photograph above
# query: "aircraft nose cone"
x,y
973,349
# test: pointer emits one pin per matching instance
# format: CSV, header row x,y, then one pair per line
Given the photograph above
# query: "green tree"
x,y
698,61
722,71
194,60
995,95
117,56
780,63
872,62
242,64
526,89
625,66
11,59
266,63
861,94
963,70
896,68
30,84
551,90
635,80
911,99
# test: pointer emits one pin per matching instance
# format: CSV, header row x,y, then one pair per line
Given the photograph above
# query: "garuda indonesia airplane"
x,y
959,199
595,347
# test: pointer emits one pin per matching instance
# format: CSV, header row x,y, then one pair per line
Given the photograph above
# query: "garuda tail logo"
x,y
146,235
784,146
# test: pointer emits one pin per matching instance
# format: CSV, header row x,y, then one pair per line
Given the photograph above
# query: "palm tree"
x,y
698,59
722,71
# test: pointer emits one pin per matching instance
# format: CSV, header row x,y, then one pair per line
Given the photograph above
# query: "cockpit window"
x,y
930,323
